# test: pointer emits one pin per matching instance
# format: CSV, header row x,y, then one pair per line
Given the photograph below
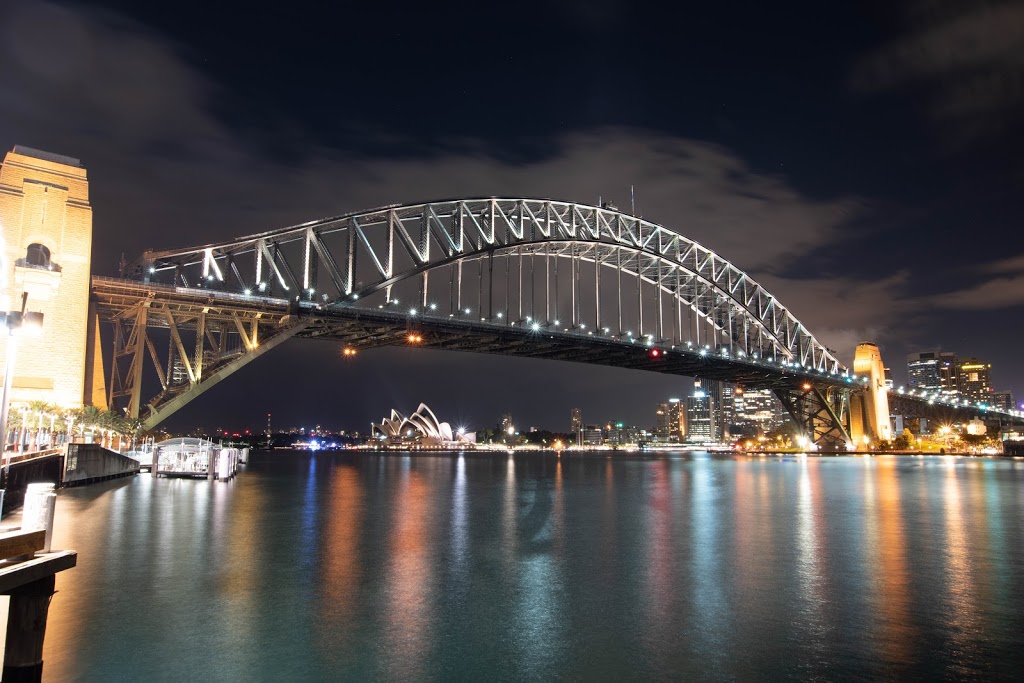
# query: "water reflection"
x,y
962,607
359,566
342,567
540,536
408,574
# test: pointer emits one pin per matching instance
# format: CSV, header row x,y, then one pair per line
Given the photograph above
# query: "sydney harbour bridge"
x,y
521,277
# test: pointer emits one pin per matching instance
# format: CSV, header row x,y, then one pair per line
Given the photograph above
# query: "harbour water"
x,y
490,566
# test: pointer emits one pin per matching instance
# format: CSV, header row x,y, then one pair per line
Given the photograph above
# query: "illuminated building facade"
x,y
422,427
976,380
46,250
1002,400
923,371
934,372
592,435
576,421
700,417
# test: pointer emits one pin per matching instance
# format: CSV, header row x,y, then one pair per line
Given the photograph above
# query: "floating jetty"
x,y
194,458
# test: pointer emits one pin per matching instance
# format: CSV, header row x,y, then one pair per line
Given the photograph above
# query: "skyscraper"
x,y
949,374
661,428
575,420
934,372
676,420
700,418
976,380
1002,400
923,371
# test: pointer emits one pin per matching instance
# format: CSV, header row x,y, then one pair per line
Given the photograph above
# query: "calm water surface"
x,y
333,566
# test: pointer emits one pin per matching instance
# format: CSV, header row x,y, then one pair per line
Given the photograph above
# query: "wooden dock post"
x,y
29,584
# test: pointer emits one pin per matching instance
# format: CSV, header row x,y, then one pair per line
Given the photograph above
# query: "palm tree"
x,y
37,409
91,417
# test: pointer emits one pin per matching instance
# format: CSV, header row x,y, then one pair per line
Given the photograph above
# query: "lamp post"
x,y
16,323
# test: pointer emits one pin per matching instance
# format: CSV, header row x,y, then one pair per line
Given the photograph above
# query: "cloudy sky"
x,y
863,161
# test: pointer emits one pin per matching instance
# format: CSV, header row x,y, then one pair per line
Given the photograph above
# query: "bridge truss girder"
x,y
344,261
186,344
821,412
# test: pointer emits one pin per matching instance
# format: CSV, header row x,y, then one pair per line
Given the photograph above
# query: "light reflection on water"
x,y
533,566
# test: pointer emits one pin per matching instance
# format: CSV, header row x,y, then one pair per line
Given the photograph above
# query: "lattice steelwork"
x,y
523,277
509,262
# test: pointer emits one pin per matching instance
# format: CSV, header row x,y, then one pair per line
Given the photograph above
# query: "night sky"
x,y
863,161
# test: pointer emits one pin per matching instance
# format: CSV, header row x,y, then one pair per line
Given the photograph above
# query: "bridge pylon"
x,y
869,414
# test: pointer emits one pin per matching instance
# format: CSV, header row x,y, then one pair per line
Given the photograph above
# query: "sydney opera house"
x,y
422,428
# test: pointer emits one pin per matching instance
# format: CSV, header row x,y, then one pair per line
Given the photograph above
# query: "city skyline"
x,y
846,188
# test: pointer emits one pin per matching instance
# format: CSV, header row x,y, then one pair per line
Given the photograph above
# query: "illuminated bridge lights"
x,y
348,352
415,338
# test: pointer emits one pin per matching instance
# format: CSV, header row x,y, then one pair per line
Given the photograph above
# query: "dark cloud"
x,y
968,61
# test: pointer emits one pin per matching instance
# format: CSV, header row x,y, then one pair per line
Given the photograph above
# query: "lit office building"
x,y
700,417
676,420
934,372
1002,400
670,425
661,429
575,420
923,371
591,435
619,434
976,380
760,409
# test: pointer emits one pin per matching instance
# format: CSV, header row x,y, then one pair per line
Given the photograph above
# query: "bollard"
x,y
38,509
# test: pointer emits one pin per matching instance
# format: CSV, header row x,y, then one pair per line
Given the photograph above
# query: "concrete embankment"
x,y
90,462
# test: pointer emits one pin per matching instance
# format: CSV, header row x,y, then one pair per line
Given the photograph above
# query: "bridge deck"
x,y
364,329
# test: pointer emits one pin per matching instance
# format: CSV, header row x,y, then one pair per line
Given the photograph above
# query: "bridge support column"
x,y
870,408
819,418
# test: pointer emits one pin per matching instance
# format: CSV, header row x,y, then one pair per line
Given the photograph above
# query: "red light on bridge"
x,y
655,353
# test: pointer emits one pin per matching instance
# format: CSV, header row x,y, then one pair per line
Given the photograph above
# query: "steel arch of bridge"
x,y
627,287
734,308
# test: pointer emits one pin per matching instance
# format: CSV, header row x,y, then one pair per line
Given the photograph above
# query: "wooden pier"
x,y
26,586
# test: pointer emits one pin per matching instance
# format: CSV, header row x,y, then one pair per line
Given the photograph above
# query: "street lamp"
x,y
17,323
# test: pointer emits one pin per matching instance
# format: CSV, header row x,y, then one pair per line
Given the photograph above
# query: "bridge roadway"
x,y
363,329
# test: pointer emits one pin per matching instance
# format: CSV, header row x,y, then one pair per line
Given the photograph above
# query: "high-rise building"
x,y
661,428
592,435
700,417
949,374
923,371
618,434
575,420
934,372
1002,400
758,409
676,420
976,380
